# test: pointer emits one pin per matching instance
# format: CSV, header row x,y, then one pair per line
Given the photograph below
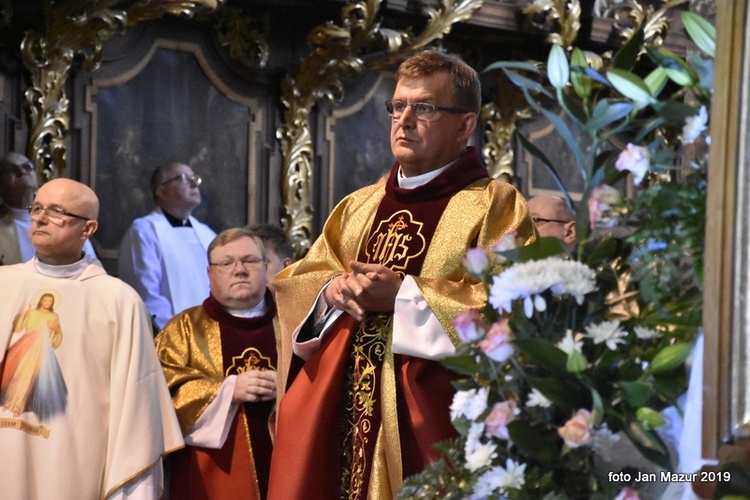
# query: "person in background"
x,y
84,408
163,254
18,184
554,218
279,248
366,315
219,359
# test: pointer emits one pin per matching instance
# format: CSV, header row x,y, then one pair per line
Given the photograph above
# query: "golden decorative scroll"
x,y
339,51
564,15
76,31
244,37
631,16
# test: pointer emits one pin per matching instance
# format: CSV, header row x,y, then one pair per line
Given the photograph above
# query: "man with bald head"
x,y
554,218
163,254
18,183
84,408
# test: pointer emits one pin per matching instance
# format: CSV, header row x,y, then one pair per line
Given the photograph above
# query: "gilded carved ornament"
x,y
75,31
631,16
339,51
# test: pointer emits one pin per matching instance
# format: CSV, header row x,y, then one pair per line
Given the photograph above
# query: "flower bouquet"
x,y
577,354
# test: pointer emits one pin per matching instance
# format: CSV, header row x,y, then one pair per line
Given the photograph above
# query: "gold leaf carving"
x,y
76,30
562,15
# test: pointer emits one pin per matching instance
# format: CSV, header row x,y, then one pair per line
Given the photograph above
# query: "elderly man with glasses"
x,y
163,254
554,218
369,309
219,359
18,184
85,409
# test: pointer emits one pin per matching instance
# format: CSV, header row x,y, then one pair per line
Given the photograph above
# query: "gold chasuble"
x,y
199,348
357,418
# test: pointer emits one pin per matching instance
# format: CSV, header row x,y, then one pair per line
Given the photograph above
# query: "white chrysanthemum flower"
x,y
569,344
694,126
469,404
498,480
536,398
608,332
604,443
480,456
645,333
527,280
512,477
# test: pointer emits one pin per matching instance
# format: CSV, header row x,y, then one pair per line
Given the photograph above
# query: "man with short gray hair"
x,y
163,254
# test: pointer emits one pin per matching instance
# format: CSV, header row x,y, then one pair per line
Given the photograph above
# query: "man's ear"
x,y
90,228
286,262
570,232
468,124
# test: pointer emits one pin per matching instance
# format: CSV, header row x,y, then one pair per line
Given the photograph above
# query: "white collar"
x,y
258,309
68,271
422,179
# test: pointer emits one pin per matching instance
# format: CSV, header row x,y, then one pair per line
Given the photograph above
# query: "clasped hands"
x,y
253,386
367,288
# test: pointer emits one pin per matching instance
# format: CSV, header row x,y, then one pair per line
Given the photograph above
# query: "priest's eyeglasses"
x,y
56,213
541,221
248,264
423,110
185,178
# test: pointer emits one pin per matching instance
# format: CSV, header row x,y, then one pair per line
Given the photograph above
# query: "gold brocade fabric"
x,y
192,364
479,215
476,216
362,423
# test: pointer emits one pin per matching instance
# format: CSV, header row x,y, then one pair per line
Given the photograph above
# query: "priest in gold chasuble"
x,y
366,315
220,361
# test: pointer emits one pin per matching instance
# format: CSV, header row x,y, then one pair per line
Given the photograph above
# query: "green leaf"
x,y
539,249
572,107
670,358
656,80
674,66
576,362
582,83
526,83
544,353
571,139
649,418
626,57
675,112
565,392
534,442
605,113
636,393
464,365
702,32
597,408
535,151
630,85
649,444
558,70
532,67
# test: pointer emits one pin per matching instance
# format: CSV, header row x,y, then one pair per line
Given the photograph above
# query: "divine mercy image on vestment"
x,y
30,376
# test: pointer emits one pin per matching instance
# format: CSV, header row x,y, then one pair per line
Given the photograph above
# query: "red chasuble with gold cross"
x,y
357,418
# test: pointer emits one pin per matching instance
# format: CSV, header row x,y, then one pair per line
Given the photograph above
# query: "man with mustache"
x,y
366,315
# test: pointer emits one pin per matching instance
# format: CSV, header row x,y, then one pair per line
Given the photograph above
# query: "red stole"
x,y
330,417
239,469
